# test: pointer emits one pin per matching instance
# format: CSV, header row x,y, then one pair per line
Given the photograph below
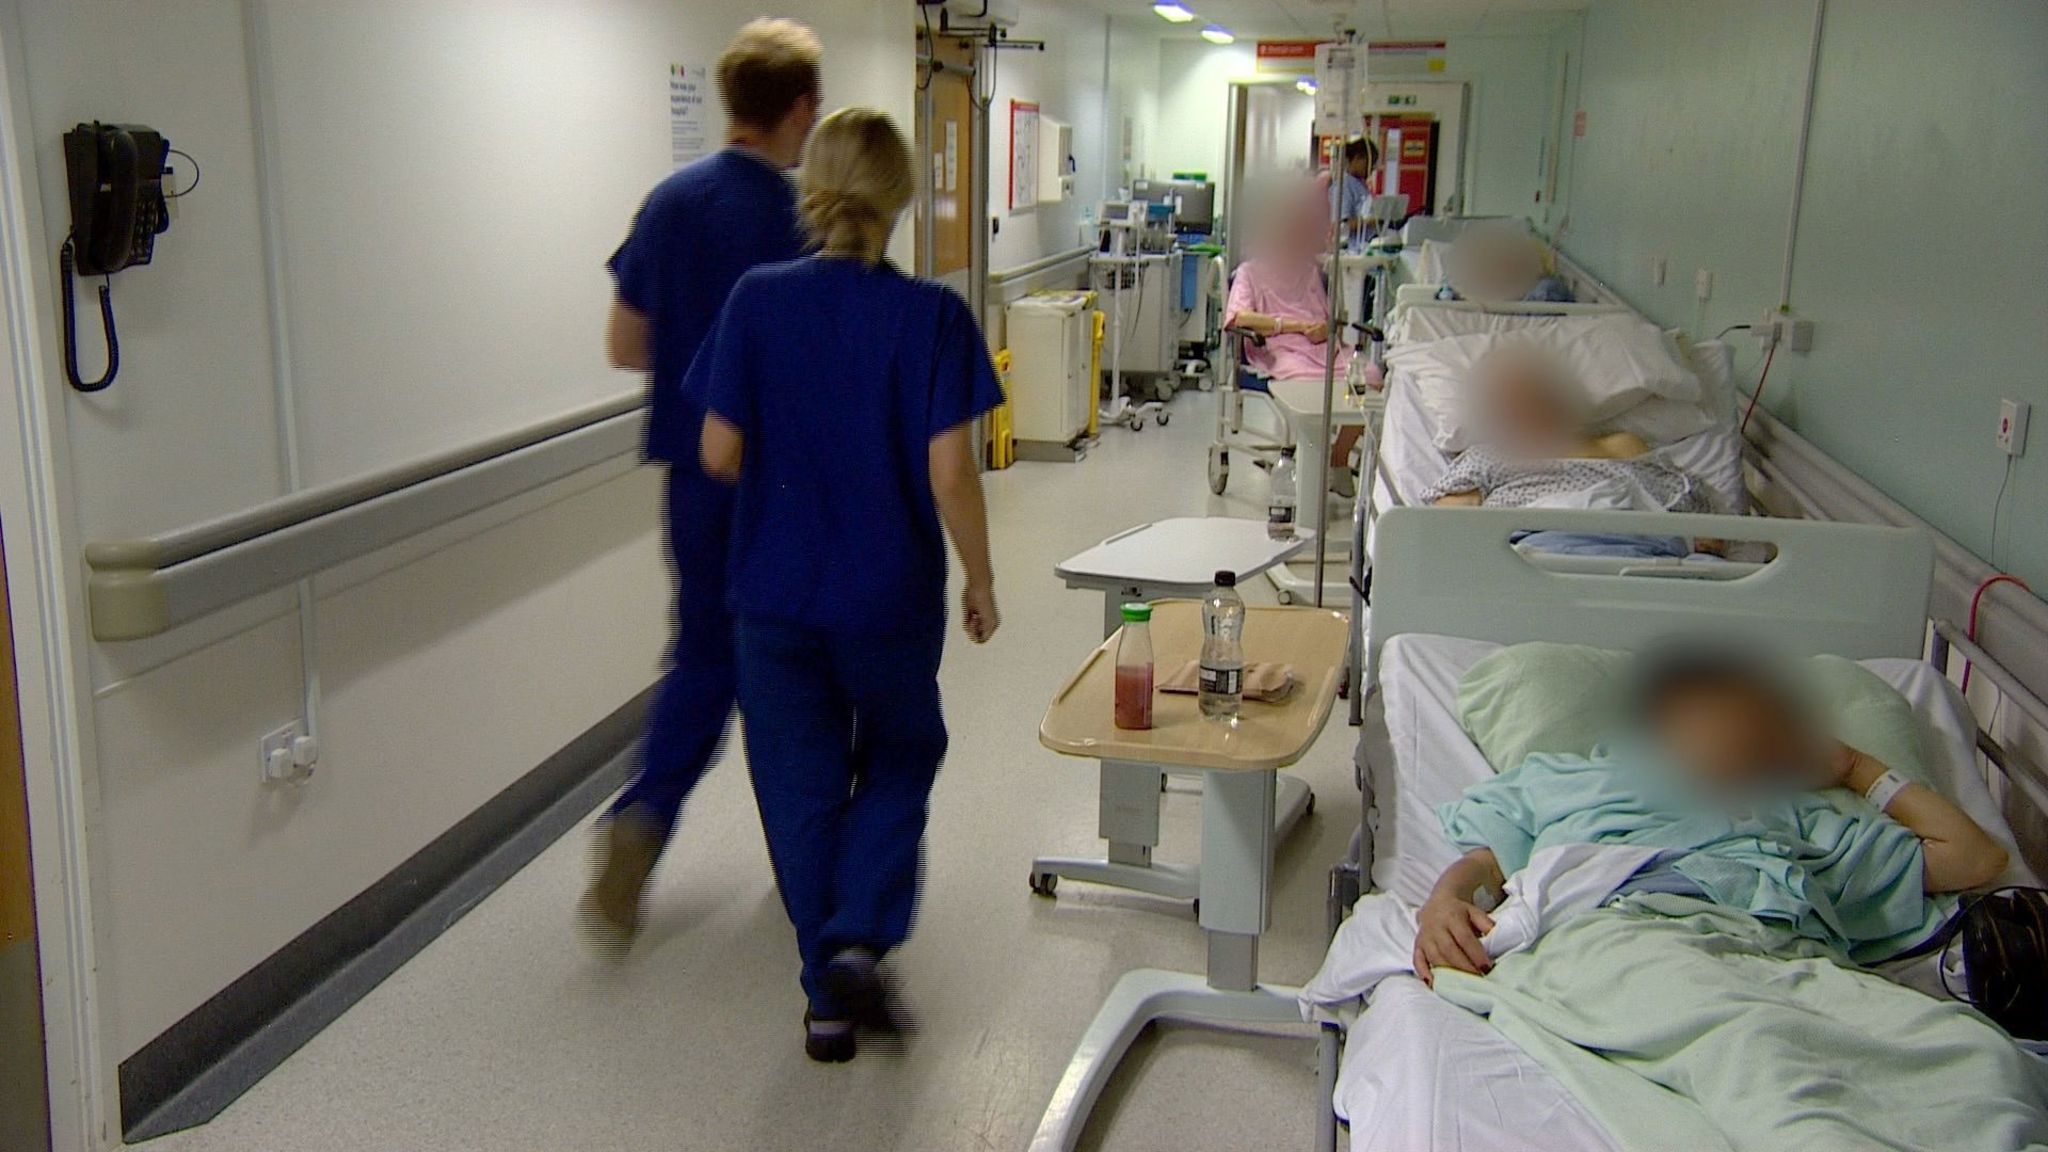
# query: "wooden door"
x,y
24,1100
947,153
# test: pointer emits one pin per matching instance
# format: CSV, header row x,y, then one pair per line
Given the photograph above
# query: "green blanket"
x,y
1685,1026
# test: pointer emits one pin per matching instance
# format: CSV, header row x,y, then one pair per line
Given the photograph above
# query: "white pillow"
x,y
1438,369
1617,360
1622,360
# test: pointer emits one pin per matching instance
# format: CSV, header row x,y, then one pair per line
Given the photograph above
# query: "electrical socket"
x,y
1795,332
279,764
2012,426
1703,284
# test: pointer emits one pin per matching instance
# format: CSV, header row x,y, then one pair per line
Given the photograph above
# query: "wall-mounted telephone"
x,y
116,177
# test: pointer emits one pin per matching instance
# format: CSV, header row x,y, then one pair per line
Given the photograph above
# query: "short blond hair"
x,y
857,178
768,67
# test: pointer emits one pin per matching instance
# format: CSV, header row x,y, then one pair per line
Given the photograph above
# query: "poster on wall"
x,y
689,113
1023,155
1404,57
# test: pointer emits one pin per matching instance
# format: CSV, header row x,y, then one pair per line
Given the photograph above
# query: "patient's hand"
x,y
1471,499
1447,932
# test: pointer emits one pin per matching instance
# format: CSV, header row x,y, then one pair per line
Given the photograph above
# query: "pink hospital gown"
x,y
1289,290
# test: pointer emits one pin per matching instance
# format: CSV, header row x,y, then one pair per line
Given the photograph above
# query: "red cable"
x,y
1977,597
1759,393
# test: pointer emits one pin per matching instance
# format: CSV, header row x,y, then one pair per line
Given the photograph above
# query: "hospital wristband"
x,y
1883,789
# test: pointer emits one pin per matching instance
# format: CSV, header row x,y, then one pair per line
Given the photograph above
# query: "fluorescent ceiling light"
x,y
1305,86
1174,11
1217,34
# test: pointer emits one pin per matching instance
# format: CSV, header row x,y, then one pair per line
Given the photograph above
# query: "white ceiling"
x,y
1377,19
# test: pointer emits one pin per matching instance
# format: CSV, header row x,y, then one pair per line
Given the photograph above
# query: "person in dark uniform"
x,y
842,400
699,231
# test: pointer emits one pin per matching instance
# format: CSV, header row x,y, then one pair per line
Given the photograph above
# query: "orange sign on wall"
x,y
1292,57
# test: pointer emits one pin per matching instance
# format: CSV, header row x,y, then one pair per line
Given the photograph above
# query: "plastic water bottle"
x,y
1280,509
1222,675
1134,668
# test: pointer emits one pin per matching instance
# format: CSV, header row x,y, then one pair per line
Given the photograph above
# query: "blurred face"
x,y
1731,735
1526,412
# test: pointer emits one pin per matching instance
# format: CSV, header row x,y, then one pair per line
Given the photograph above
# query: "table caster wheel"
x,y
1219,469
1163,416
1044,883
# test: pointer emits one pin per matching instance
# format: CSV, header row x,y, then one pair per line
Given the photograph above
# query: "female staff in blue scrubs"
x,y
842,396
700,229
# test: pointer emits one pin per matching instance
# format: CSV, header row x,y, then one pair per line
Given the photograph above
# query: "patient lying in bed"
x,y
1538,450
1712,999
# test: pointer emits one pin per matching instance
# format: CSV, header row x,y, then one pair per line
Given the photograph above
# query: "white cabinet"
x,y
1051,336
1055,160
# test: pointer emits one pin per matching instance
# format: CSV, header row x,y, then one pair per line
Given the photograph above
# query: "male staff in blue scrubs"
x,y
700,230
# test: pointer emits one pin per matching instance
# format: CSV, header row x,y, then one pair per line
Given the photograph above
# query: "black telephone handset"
x,y
116,178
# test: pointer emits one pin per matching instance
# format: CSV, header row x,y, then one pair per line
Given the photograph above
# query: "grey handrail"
x,y
141,587
2013,626
208,535
1033,268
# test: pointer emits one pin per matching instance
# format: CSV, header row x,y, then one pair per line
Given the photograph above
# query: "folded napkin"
x,y
1268,683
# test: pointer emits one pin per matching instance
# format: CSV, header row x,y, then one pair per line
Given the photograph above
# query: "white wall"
x,y
1066,82
454,174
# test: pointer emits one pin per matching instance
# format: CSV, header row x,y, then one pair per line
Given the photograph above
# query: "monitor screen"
x,y
1197,200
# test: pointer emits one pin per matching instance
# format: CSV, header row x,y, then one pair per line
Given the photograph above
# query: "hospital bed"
x,y
1406,460
1417,1071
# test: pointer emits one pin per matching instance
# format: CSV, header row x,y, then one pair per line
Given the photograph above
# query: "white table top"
x,y
1180,555
1303,398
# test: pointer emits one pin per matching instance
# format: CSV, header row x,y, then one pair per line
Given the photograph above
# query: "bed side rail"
x,y
1853,589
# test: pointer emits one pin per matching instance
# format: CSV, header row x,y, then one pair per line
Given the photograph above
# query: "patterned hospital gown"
x,y
1639,484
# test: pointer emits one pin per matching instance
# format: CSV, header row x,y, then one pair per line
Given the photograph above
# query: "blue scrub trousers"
x,y
695,699
844,738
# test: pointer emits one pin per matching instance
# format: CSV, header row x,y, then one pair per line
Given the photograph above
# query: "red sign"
x,y
1296,57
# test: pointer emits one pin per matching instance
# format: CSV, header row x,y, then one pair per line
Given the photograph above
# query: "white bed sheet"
x,y
1429,1074
1413,461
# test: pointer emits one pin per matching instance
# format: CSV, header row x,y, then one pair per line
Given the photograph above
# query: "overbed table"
x,y
1167,559
1240,762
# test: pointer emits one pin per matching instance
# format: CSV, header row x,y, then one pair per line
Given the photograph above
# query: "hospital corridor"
x,y
1039,575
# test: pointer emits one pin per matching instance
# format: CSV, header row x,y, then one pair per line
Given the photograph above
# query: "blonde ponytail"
x,y
856,180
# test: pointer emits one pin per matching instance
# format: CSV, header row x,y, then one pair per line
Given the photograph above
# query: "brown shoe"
x,y
626,848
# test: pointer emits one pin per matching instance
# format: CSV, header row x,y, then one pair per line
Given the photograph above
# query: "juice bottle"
x,y
1134,668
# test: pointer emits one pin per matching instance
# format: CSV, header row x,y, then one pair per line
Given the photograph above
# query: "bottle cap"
x,y
1287,453
1136,613
1226,579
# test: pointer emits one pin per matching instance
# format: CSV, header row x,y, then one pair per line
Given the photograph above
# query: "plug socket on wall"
x,y
2012,426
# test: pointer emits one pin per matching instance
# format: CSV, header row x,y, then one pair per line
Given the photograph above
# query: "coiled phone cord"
x,y
67,268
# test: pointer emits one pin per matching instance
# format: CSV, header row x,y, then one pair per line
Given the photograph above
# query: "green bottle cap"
x,y
1137,613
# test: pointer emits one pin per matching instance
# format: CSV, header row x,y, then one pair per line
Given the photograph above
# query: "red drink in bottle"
x,y
1134,668
1134,696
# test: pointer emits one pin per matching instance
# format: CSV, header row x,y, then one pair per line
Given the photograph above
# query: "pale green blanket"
x,y
1684,1026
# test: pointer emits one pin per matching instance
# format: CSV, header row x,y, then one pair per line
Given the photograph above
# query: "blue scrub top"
x,y
838,376
701,229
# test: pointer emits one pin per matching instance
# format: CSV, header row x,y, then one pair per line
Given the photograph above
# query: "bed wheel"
x,y
1219,468
1044,883
1163,416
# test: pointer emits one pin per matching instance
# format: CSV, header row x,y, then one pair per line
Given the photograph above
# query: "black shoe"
x,y
861,985
828,1041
